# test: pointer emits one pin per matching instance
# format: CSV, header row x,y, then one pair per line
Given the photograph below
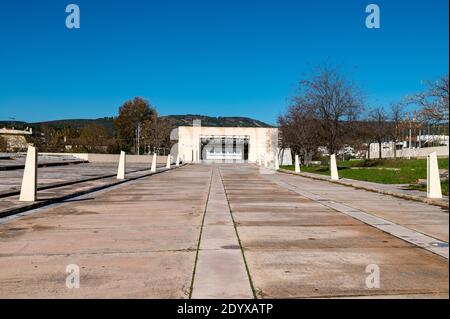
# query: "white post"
x,y
333,168
168,161
177,163
433,178
277,162
259,160
122,164
297,164
29,180
153,169
266,164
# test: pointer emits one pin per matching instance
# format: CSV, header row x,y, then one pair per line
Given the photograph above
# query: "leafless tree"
x,y
379,127
334,100
300,130
434,102
397,124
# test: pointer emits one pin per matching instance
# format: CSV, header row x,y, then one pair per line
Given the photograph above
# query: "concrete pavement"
x,y
222,231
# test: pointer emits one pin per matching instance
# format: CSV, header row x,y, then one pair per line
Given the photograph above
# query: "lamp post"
x,y
138,137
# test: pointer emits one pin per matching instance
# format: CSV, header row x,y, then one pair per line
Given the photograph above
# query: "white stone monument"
x,y
122,165
433,177
168,161
333,168
29,180
277,162
153,169
297,164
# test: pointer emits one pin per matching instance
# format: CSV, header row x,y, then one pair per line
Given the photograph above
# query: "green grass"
x,y
381,171
444,186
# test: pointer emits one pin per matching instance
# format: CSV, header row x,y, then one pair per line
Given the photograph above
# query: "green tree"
x,y
134,113
3,144
93,138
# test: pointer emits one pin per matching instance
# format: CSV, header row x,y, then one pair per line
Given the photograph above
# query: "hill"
x,y
178,120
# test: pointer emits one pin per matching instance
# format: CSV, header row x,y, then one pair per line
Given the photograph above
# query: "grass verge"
x,y
385,171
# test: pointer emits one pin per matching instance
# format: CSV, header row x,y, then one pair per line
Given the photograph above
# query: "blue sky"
x,y
215,57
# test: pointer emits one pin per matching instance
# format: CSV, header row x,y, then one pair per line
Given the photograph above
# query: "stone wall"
x,y
113,158
413,152
15,143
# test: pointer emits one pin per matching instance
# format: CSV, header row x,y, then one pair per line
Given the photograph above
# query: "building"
x,y
16,140
219,144
420,146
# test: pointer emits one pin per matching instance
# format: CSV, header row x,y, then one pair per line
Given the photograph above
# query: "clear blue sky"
x,y
214,57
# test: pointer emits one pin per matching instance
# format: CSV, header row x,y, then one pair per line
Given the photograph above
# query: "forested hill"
x,y
178,120
186,120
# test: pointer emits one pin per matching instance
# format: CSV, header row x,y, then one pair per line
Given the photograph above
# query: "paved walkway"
x,y
138,240
269,236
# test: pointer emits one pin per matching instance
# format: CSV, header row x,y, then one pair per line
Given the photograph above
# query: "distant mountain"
x,y
178,120
233,121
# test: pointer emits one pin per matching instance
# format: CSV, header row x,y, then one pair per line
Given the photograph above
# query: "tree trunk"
x,y
379,150
395,149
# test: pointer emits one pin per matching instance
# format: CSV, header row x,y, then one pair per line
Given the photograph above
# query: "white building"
x,y
234,144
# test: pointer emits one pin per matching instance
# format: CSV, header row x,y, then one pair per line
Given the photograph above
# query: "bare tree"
x,y
160,133
434,102
334,100
300,130
397,124
379,127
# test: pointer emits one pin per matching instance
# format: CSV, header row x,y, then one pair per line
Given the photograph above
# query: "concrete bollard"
x,y
297,164
168,161
153,169
266,163
29,180
177,163
433,177
333,168
122,165
259,160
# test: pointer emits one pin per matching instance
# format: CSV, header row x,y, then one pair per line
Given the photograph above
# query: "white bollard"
x,y
122,164
29,180
333,168
259,160
266,164
297,164
168,161
177,163
433,177
277,162
153,169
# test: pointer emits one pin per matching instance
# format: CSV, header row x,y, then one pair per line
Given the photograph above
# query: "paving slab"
x,y
307,247
220,270
129,241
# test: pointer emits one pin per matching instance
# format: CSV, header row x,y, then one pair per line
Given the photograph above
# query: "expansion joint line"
x,y
238,238
191,288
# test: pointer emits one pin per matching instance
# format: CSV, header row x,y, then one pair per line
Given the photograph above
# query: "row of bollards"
x,y
434,190
29,180
122,164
